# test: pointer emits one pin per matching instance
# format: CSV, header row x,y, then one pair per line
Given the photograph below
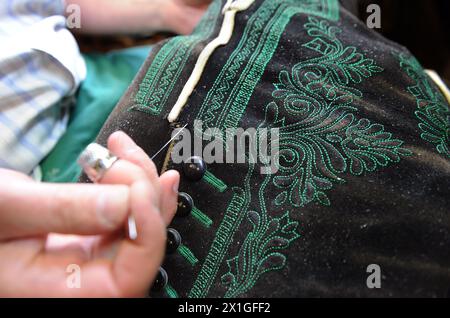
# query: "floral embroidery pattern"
x,y
261,251
320,139
432,109
327,139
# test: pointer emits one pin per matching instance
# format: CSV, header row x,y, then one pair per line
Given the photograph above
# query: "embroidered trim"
x,y
223,238
214,181
166,68
261,250
227,100
170,291
260,253
230,9
210,114
201,217
432,111
184,251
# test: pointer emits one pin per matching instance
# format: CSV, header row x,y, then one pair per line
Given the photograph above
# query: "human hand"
x,y
139,16
182,16
89,222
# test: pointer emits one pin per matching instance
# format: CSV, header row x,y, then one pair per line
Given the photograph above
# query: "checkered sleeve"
x,y
33,85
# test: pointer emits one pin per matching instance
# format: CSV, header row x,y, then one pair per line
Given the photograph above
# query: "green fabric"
x,y
108,76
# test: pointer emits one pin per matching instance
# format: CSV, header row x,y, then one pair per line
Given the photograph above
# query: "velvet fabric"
x,y
364,164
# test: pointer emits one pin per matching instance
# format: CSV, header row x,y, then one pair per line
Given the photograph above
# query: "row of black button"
x,y
194,169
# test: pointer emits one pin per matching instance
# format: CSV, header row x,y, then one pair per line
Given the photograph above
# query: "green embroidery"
x,y
201,217
214,181
261,250
223,238
166,68
325,140
227,100
187,254
259,42
432,108
170,291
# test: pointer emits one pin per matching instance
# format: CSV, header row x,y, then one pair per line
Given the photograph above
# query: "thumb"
x,y
31,208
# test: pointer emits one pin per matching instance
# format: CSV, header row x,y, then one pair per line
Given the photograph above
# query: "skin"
x,y
139,16
46,227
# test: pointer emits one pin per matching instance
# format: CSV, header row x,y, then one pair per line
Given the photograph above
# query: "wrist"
x,y
169,16
181,16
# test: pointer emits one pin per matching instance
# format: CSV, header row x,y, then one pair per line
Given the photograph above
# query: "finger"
x,y
133,268
126,173
137,262
169,195
131,155
31,208
121,145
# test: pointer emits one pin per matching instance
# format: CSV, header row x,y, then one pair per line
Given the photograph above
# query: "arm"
x,y
139,16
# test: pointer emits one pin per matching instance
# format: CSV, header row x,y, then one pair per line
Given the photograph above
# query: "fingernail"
x,y
176,185
109,207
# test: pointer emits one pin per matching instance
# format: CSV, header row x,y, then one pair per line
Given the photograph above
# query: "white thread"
x,y
440,83
230,9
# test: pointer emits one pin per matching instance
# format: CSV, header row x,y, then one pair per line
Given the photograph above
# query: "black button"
x,y
173,241
161,280
194,168
185,204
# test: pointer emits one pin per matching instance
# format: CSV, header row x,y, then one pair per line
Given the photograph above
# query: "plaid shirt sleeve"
x,y
34,80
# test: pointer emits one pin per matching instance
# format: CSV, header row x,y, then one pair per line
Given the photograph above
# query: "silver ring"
x,y
96,160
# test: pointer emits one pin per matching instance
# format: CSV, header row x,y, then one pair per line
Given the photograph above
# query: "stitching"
x,y
432,111
201,217
241,199
326,140
172,293
223,238
261,250
255,50
214,181
184,251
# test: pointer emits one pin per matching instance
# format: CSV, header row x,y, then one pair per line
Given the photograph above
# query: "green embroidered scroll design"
x,y
261,251
166,68
432,111
227,100
325,140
